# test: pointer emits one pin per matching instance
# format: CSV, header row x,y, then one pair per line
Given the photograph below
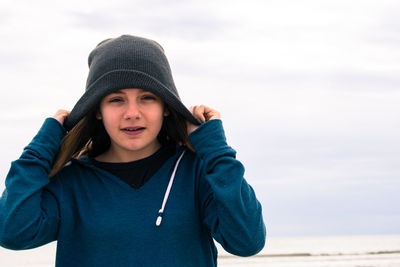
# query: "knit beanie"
x,y
127,62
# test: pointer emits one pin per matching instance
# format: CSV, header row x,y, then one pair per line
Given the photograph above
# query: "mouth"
x,y
133,130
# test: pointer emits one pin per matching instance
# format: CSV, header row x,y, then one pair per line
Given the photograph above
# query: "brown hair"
x,y
90,138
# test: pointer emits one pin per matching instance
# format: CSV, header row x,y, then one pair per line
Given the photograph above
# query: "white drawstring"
x,y
171,180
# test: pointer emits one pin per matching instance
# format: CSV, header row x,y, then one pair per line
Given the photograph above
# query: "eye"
x,y
149,97
115,100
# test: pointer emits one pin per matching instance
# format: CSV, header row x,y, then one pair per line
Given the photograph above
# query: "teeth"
x,y
131,130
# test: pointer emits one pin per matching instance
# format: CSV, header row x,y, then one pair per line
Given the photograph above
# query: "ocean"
x,y
326,251
343,251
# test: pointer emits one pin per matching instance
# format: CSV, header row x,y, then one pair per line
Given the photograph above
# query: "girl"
x,y
136,179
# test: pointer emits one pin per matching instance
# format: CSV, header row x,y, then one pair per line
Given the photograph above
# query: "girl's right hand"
x,y
60,115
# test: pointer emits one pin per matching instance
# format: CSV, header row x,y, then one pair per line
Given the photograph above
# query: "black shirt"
x,y
137,173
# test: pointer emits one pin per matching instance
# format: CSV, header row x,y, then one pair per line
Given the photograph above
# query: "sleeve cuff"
x,y
48,139
209,137
52,129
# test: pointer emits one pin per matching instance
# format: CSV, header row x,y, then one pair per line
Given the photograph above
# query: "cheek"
x,y
109,121
158,119
157,122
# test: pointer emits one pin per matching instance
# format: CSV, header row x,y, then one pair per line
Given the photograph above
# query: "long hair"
x,y
90,138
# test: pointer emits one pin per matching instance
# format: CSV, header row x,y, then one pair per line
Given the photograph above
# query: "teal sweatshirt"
x,y
99,220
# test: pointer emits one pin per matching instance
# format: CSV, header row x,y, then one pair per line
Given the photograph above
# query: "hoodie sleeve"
x,y
29,213
230,208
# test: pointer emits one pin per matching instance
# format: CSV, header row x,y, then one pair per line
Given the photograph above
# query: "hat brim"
x,y
120,79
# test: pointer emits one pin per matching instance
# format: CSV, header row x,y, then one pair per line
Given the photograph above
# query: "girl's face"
x,y
133,119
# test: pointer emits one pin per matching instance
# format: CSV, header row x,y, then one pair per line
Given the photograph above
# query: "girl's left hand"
x,y
202,113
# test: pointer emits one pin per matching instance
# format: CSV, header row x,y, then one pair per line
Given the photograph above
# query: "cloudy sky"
x,y
309,92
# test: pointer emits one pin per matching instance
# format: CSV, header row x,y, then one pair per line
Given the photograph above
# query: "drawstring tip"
x,y
158,222
171,180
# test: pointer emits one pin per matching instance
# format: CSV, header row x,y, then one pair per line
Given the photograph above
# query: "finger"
x,y
61,114
198,113
211,114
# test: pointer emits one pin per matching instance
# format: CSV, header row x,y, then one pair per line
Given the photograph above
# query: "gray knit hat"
x,y
127,62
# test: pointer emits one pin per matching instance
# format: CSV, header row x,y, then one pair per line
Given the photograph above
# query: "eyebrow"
x,y
119,91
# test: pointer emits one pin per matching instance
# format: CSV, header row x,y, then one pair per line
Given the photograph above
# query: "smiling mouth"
x,y
133,129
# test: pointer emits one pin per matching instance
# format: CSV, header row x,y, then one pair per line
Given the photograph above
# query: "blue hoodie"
x,y
99,220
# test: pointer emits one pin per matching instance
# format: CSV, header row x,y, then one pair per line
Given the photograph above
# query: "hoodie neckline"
x,y
167,167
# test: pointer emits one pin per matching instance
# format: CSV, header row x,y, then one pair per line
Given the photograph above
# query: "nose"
x,y
132,111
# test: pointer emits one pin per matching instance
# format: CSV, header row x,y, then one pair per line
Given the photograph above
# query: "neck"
x,y
116,155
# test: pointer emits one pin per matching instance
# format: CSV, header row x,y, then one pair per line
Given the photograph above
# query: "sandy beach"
x,y
343,251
